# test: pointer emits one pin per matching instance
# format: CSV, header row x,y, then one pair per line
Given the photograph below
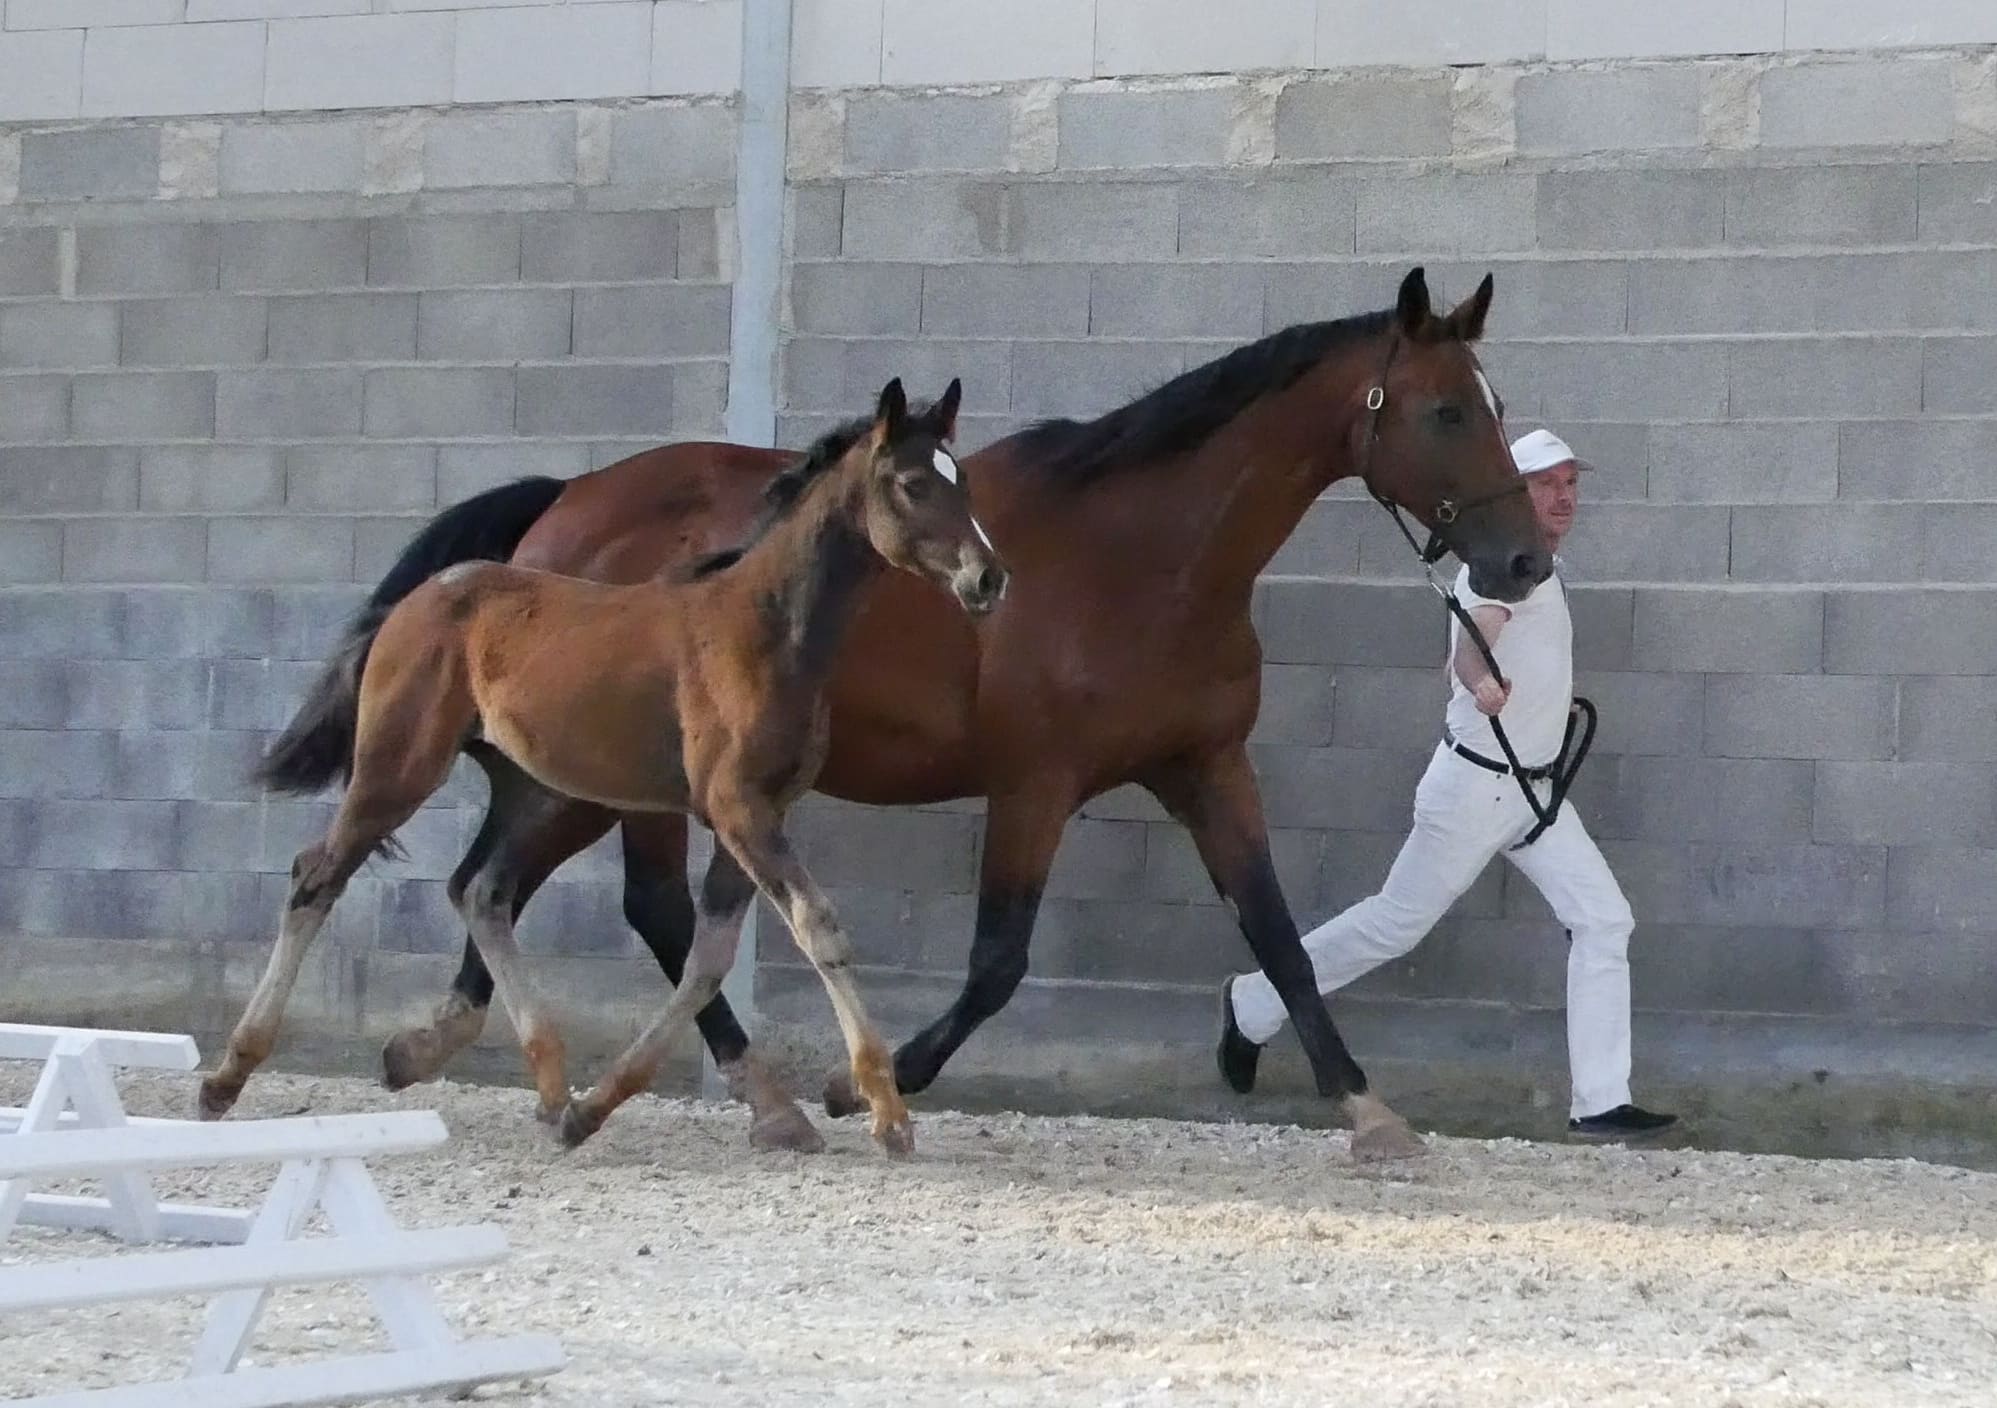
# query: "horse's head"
x,y
918,513
1431,441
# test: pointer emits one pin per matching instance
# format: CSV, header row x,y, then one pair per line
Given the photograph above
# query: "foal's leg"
x,y
523,814
419,1053
657,905
765,852
725,896
1216,798
1022,832
319,875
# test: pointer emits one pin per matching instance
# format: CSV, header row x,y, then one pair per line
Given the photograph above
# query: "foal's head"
x,y
1437,445
917,514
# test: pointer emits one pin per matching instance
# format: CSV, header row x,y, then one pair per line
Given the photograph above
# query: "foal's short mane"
x,y
1181,415
783,493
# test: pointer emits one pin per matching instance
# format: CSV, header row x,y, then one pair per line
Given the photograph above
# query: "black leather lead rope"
x,y
1563,769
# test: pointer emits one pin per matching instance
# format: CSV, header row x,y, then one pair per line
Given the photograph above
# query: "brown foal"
x,y
699,692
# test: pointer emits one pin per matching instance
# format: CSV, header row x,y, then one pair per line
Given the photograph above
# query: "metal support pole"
x,y
764,109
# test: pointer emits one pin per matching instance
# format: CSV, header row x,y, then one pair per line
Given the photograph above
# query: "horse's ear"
x,y
1466,320
1413,310
944,414
893,408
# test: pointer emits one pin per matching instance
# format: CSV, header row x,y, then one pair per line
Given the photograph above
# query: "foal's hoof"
x,y
841,1099
408,1058
1388,1139
553,1115
785,1128
216,1101
898,1138
578,1122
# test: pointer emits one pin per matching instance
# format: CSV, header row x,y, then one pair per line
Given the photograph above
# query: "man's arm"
x,y
1470,667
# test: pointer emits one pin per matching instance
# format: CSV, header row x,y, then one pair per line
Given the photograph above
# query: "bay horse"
x,y
696,693
1125,653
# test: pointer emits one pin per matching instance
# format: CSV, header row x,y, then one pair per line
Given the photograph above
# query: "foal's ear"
x,y
1413,310
893,408
943,415
1466,320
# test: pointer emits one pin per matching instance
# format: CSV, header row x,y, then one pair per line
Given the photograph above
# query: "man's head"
x,y
1553,477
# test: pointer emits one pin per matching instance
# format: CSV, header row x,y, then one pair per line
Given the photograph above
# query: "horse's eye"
x,y
1449,413
916,486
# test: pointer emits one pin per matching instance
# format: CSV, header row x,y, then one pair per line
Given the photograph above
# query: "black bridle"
x,y
1562,770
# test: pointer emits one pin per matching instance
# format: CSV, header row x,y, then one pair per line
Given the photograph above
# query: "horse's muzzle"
x,y
980,588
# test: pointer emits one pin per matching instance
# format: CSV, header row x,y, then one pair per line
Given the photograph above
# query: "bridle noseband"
x,y
1445,513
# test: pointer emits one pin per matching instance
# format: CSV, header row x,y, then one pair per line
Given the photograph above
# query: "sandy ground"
x,y
1075,1261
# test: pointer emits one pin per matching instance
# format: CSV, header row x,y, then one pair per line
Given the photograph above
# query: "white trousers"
x,y
1463,816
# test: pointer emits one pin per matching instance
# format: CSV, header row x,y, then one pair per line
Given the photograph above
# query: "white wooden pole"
x,y
755,328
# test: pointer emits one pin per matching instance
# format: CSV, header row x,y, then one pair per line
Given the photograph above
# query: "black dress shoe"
x,y
1621,1122
1236,1054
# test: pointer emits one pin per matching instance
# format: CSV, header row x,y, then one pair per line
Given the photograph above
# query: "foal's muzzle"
x,y
980,586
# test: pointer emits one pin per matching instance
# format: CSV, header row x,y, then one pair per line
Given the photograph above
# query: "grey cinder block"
x,y
110,163
914,132
207,330
1008,300
1846,717
148,259
598,246
673,320
495,324
439,401
294,254
1126,130
343,327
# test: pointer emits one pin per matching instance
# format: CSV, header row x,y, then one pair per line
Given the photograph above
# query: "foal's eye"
x,y
916,486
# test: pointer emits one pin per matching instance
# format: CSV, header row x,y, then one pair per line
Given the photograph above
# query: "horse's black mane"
x,y
1180,415
782,493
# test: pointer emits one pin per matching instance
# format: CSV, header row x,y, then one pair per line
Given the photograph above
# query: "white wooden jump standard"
x,y
76,1092
322,1167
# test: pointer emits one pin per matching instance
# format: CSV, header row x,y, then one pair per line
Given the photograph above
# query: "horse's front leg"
x,y
756,838
1022,832
725,895
1217,799
657,905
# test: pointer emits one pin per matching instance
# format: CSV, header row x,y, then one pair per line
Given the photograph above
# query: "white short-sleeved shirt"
x,y
1535,652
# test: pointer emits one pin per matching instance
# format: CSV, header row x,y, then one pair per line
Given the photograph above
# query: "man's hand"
x,y
1490,695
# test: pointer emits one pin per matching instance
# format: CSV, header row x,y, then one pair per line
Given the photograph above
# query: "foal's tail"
x,y
318,745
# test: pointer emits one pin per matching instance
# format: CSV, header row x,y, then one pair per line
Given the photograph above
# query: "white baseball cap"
x,y
1542,449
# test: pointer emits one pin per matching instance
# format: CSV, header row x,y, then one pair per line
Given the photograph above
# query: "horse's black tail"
x,y
318,745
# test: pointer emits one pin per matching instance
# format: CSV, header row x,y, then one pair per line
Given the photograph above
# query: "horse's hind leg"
x,y
658,907
523,812
420,1053
766,853
319,875
725,895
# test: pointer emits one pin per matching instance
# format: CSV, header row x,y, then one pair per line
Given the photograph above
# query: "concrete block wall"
x,y
1756,291
252,334
242,359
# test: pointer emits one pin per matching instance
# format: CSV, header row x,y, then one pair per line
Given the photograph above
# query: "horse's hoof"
x,y
214,1101
401,1064
897,1139
841,1099
552,1114
577,1124
1386,1140
785,1128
